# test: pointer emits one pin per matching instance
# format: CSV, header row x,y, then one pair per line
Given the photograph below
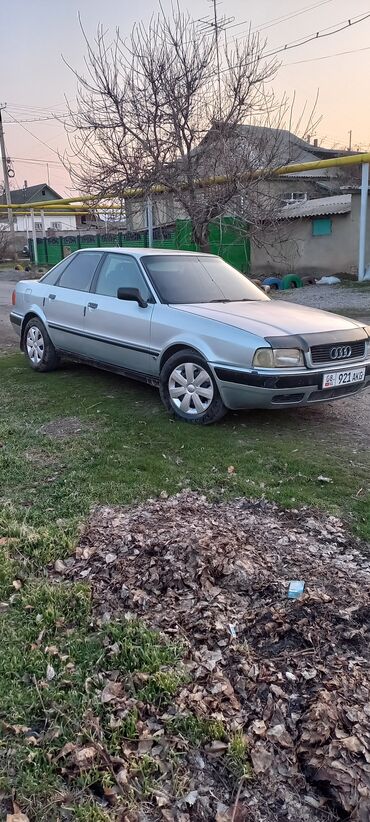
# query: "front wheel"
x,y
38,347
188,389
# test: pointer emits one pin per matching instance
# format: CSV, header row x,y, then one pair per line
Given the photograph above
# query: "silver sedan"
x,y
192,325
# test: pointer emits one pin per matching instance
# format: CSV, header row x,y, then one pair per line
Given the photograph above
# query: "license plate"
x,y
337,378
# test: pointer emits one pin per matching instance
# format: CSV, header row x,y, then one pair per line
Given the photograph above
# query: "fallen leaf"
x,y
17,584
59,566
84,757
191,797
112,690
216,747
50,672
109,558
67,749
231,469
259,727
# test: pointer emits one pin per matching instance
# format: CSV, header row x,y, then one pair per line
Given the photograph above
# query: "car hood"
x,y
272,317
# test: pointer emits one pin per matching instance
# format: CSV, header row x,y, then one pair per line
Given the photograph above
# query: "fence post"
x,y
34,238
98,243
120,239
61,248
78,241
46,249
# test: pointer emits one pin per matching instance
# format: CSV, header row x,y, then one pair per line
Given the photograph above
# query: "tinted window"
x,y
182,279
52,276
79,273
120,271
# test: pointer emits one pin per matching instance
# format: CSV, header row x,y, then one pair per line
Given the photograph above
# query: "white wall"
x,y
66,222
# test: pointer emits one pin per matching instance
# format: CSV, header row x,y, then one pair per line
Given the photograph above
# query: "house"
x,y
62,221
316,237
35,194
262,147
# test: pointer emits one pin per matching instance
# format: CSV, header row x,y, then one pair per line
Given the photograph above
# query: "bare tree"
x,y
151,114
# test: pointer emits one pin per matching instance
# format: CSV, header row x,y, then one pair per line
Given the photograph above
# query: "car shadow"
x,y
324,421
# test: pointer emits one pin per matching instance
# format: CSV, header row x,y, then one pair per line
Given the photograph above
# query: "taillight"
x,y
14,298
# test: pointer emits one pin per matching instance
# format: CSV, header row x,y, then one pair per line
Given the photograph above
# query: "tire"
x,y
38,348
273,282
291,281
203,404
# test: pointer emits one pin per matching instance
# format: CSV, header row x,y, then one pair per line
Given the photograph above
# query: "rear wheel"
x,y
38,347
188,389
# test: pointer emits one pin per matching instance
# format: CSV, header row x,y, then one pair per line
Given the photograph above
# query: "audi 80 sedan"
x,y
191,324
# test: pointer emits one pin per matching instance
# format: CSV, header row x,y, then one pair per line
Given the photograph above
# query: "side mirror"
x,y
132,294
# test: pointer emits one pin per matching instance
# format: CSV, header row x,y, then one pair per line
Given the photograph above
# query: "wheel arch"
x,y
175,348
31,313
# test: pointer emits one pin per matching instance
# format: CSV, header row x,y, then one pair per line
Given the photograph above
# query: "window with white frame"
x,y
38,226
294,197
57,225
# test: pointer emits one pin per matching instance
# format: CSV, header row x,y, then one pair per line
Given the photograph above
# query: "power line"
x,y
283,19
33,135
39,162
62,117
325,57
319,35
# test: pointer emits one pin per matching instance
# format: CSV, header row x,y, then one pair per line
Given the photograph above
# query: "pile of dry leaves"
x,y
292,676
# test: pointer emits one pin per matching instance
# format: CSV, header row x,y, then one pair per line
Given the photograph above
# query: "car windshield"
x,y
182,279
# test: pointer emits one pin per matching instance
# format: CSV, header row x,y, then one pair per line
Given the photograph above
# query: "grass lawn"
x,y
125,449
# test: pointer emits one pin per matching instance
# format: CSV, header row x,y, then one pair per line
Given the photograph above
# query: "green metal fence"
x,y
226,238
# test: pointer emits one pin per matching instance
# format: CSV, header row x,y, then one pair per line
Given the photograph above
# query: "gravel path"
x,y
330,298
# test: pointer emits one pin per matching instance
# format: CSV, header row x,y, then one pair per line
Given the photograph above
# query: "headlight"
x,y
278,358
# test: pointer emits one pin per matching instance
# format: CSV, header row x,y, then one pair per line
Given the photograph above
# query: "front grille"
x,y
321,353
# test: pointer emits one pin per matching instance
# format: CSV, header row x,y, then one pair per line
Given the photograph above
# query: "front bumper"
x,y
279,388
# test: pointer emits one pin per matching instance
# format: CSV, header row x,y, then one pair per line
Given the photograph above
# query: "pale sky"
x,y
34,79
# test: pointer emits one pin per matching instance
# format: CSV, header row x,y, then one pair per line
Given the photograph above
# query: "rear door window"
x,y
52,276
79,273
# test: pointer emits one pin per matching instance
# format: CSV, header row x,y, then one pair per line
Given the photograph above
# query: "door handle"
x,y
92,305
52,296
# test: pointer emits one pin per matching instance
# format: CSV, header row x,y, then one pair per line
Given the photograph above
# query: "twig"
x,y
34,680
236,803
99,747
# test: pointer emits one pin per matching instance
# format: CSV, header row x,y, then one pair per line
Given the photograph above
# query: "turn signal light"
x,y
13,297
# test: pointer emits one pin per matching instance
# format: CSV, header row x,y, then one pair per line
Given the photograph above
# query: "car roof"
x,y
141,252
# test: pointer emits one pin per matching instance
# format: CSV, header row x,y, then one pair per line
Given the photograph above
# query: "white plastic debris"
x,y
296,588
328,281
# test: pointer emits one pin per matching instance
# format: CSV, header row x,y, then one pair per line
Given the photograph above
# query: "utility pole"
x,y
350,140
6,183
216,26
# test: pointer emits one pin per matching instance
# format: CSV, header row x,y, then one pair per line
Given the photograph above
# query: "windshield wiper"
x,y
224,300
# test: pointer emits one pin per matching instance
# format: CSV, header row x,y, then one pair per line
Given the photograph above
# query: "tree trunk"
x,y
200,236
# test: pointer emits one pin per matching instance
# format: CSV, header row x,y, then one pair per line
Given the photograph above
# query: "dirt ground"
x,y
8,339
333,417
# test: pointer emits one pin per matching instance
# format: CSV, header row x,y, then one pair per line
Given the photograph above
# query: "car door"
x,y
118,331
65,302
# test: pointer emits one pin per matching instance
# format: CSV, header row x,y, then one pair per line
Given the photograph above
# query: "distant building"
x,y
35,194
62,221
